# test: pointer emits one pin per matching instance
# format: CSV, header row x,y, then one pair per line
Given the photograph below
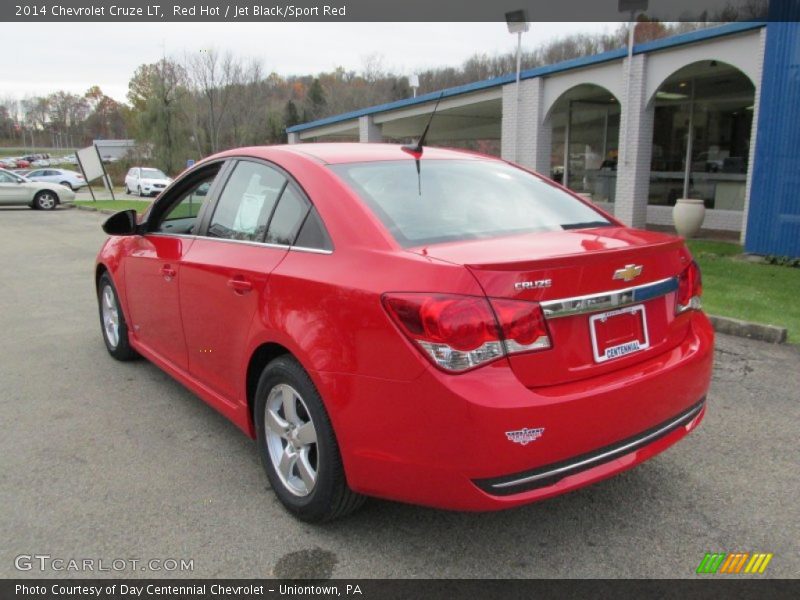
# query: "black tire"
x,y
45,200
330,497
68,185
127,190
139,191
121,350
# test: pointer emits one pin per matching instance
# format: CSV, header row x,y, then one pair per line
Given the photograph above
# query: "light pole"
x,y
413,82
517,22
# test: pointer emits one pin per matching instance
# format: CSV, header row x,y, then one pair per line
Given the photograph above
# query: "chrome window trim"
x,y
589,303
245,242
606,456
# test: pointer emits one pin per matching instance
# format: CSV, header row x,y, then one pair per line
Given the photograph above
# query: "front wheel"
x,y
45,200
68,185
112,321
298,447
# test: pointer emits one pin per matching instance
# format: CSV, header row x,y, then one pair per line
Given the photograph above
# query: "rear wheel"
x,y
45,200
298,447
112,321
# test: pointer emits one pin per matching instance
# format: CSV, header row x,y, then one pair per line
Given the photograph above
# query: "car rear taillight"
x,y
521,324
690,289
461,332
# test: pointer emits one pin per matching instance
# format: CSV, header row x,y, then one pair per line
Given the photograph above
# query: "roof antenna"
x,y
416,149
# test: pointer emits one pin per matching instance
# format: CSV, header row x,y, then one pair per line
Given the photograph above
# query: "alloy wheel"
x,y
291,440
110,313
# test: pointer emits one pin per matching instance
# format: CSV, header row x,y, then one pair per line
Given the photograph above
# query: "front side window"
x,y
7,178
182,217
454,200
246,203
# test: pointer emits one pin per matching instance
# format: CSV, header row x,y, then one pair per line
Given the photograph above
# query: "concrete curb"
x,y
754,331
104,211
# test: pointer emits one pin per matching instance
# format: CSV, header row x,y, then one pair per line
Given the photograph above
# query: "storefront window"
x,y
718,100
585,142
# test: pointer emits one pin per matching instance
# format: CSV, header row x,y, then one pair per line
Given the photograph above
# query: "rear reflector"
x,y
457,332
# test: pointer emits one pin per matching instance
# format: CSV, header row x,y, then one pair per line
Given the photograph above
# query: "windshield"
x,y
455,200
152,174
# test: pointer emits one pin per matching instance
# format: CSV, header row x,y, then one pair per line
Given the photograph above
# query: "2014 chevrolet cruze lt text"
x,y
432,327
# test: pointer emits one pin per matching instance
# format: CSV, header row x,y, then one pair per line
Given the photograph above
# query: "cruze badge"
x,y
533,285
524,436
628,272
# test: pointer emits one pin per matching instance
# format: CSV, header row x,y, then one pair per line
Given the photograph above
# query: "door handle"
x,y
240,285
168,272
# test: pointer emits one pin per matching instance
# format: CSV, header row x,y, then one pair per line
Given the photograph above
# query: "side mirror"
x,y
122,223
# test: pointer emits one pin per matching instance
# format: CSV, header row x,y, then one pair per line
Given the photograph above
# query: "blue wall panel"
x,y
773,223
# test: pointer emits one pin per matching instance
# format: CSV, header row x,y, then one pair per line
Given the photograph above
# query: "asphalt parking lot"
x,y
106,460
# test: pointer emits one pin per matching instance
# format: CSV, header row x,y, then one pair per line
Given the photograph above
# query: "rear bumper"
x,y
549,475
442,440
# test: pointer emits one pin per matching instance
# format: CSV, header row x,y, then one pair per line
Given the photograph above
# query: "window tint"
x,y
313,234
462,200
246,202
288,217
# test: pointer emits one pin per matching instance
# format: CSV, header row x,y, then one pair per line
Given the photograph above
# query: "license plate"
x,y
618,333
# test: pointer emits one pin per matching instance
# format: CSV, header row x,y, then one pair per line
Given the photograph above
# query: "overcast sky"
x,y
40,58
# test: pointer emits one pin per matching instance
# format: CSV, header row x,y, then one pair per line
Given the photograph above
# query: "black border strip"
x,y
533,479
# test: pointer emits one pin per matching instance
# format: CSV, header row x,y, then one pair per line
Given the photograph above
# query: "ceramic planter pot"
x,y
688,215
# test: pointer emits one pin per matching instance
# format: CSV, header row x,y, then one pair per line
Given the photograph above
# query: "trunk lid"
x,y
554,266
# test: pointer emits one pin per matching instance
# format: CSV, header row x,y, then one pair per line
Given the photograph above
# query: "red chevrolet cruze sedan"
x,y
440,328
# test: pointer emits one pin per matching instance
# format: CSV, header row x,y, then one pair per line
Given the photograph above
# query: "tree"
x,y
316,103
159,95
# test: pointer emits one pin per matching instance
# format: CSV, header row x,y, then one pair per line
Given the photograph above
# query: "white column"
x,y
294,138
635,147
753,131
524,138
368,131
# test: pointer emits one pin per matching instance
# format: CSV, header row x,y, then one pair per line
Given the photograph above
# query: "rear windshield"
x,y
455,200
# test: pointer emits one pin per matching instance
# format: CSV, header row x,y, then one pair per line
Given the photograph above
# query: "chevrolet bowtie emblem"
x,y
628,273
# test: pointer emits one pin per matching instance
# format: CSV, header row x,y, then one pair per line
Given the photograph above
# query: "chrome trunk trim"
x,y
554,309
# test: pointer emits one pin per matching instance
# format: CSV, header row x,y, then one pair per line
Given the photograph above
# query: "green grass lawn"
x,y
138,205
756,292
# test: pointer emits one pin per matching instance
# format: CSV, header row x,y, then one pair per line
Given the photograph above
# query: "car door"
x,y
153,267
225,273
10,189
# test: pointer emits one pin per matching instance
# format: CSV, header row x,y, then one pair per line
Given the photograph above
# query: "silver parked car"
x,y
19,191
71,179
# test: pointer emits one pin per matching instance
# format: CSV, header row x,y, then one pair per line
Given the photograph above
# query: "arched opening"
x,y
705,109
585,141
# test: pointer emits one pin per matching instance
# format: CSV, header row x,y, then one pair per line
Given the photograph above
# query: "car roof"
x,y
347,152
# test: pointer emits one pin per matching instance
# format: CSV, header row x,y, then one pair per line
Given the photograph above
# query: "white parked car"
x,y
145,181
71,179
19,191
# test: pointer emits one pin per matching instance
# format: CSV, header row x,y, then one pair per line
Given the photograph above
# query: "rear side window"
x,y
313,234
289,216
246,203
453,200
